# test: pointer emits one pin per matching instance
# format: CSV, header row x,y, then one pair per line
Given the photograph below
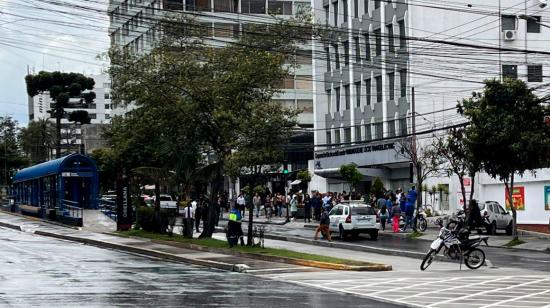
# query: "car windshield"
x,y
363,210
482,206
165,198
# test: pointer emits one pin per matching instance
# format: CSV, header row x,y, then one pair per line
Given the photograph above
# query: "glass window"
x,y
378,38
336,56
368,132
304,83
253,6
391,128
362,210
379,130
329,101
402,34
303,57
391,46
347,135
508,22
510,71
223,30
286,83
173,5
327,51
346,53
356,8
367,47
306,105
347,96
231,6
391,85
358,94
376,4
357,50
366,8
329,138
106,96
287,103
403,82
358,133
197,5
533,24
534,73
327,15
280,7
107,106
337,137
335,12
345,9
490,207
500,209
337,99
368,93
403,126
378,89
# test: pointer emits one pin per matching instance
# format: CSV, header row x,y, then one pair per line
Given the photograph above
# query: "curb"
x,y
142,251
260,222
286,260
10,226
37,219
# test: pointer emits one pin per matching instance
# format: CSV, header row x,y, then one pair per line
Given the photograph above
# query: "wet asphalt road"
x,y
39,271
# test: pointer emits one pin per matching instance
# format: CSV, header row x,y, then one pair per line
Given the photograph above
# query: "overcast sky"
x,y
47,35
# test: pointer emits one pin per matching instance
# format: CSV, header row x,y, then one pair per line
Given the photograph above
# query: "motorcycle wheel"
x,y
422,224
474,258
428,259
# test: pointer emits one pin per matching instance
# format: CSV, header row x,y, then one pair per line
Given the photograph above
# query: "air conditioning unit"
x,y
543,3
509,35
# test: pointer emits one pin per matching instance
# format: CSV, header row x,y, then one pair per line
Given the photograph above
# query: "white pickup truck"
x,y
166,202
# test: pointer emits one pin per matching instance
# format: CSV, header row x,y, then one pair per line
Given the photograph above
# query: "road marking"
x,y
278,269
518,298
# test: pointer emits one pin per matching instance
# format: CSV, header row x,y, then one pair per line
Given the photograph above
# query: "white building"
x,y
381,50
71,133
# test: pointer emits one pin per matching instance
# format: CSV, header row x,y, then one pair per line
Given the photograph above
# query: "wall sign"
x,y
518,195
547,198
365,149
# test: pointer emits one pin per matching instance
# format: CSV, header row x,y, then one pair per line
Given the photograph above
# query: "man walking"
x,y
241,203
316,204
257,201
188,221
324,226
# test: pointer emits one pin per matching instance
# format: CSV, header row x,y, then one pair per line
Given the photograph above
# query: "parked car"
x,y
353,219
496,216
166,202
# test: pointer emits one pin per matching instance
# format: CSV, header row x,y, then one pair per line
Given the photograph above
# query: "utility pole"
x,y
285,178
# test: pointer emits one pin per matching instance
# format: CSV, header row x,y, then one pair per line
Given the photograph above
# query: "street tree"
x,y
61,87
377,187
458,159
37,140
507,132
10,151
80,117
351,174
218,87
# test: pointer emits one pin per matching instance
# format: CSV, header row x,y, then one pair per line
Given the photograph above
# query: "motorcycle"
x,y
421,222
456,245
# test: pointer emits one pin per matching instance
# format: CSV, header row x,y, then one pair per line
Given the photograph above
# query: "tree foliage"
x,y
12,158
37,140
377,187
507,132
80,117
351,174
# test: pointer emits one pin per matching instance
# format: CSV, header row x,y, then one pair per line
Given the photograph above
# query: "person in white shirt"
x,y
188,219
241,203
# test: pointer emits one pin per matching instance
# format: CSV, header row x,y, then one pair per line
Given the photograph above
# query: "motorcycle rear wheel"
x,y
428,259
422,224
474,258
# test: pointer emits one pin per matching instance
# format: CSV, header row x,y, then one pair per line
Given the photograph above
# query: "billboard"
x,y
518,195
547,198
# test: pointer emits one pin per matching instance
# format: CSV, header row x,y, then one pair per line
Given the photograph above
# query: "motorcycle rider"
x,y
474,215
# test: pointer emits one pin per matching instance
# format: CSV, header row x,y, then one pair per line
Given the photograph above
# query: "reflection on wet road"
x,y
39,271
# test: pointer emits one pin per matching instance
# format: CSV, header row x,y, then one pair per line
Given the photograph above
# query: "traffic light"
x,y
285,167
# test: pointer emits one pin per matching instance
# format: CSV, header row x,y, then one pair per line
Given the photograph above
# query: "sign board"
x,y
123,205
467,189
547,198
518,196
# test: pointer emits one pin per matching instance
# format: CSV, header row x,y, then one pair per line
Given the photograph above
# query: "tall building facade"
x,y
389,68
71,133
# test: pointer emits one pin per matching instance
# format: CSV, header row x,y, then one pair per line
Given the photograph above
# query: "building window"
x,y
357,133
368,91
378,39
356,8
107,116
378,89
197,5
508,22
403,82
335,13
367,47
402,34
223,30
347,96
391,45
280,7
366,8
533,24
357,51
345,8
337,99
286,83
327,50
368,132
107,106
329,139
358,94
106,96
379,130
510,71
403,126
376,4
336,56
391,128
391,85
346,53
534,73
305,105
93,116
337,140
304,83
329,101
327,15
347,135
231,6
253,6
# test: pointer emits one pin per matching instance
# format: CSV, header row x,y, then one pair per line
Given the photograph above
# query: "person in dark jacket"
x,y
474,215
396,211
316,204
307,209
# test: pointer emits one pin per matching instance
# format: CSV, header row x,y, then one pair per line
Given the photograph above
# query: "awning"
x,y
295,182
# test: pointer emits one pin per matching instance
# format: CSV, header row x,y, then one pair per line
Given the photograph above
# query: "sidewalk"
x,y
145,247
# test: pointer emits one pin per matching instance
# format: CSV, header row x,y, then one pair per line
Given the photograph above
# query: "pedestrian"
x,y
381,201
383,214
324,223
294,206
474,215
198,214
396,211
307,209
241,203
257,201
280,204
188,220
234,227
205,213
316,204
409,213
267,207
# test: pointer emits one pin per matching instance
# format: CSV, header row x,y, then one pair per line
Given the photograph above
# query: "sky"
x,y
48,35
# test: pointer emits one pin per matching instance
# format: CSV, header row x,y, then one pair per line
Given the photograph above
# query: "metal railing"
x,y
108,207
71,208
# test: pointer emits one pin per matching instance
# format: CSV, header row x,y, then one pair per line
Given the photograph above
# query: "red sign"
x,y
518,195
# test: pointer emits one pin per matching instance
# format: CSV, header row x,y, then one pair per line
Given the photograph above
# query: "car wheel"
x,y
374,235
509,229
343,234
